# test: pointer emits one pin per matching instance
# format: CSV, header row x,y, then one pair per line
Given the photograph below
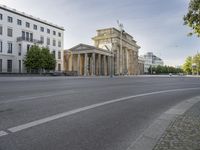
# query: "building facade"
x,y
19,31
123,47
88,60
114,53
151,60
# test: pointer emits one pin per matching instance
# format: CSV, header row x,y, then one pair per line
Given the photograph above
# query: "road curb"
x,y
148,139
27,78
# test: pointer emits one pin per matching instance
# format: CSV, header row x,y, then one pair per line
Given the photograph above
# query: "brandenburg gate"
x,y
88,60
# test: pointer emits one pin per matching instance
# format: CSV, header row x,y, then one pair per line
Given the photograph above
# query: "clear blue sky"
x,y
156,25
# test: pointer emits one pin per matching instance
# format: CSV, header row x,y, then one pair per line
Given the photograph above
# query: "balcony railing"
x,y
20,39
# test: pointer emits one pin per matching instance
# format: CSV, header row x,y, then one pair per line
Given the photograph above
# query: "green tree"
x,y
187,66
151,70
38,60
48,60
196,60
159,70
166,70
192,18
33,60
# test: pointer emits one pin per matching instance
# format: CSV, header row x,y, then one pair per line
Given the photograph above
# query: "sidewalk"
x,y
183,133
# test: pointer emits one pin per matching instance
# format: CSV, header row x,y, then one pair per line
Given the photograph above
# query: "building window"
x,y
27,24
9,32
31,37
9,47
54,42
59,67
48,41
59,34
10,19
54,32
59,43
20,50
42,39
59,55
27,36
1,30
35,27
1,46
19,22
54,53
9,65
0,65
1,17
23,35
42,29
48,31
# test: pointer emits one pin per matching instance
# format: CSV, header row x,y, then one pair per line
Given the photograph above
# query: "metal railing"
x,y
19,39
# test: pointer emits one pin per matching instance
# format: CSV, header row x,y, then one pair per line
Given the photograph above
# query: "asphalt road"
x,y
85,114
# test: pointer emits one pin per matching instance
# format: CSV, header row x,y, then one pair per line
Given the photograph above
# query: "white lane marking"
x,y
68,113
3,133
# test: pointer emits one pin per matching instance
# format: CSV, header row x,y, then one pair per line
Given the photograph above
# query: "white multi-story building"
x,y
19,31
150,60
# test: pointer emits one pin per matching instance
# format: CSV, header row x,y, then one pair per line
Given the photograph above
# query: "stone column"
x,y
133,62
71,64
78,64
121,61
130,62
93,64
104,65
86,65
110,65
118,61
115,59
99,64
125,61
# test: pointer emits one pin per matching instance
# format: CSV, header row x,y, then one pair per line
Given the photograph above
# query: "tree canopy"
x,y
165,70
192,18
192,64
39,59
196,62
187,66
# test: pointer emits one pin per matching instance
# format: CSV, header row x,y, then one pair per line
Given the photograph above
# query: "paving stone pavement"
x,y
183,133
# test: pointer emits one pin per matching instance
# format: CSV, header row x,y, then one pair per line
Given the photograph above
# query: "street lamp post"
x,y
111,75
121,27
121,50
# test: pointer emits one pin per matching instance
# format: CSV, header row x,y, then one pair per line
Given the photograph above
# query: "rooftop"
x,y
30,16
88,46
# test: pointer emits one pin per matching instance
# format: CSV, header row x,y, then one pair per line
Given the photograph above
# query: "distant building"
x,y
123,47
19,31
115,53
141,65
87,60
150,60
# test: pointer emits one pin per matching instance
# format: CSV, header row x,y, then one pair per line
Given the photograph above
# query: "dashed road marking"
x,y
3,133
26,98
